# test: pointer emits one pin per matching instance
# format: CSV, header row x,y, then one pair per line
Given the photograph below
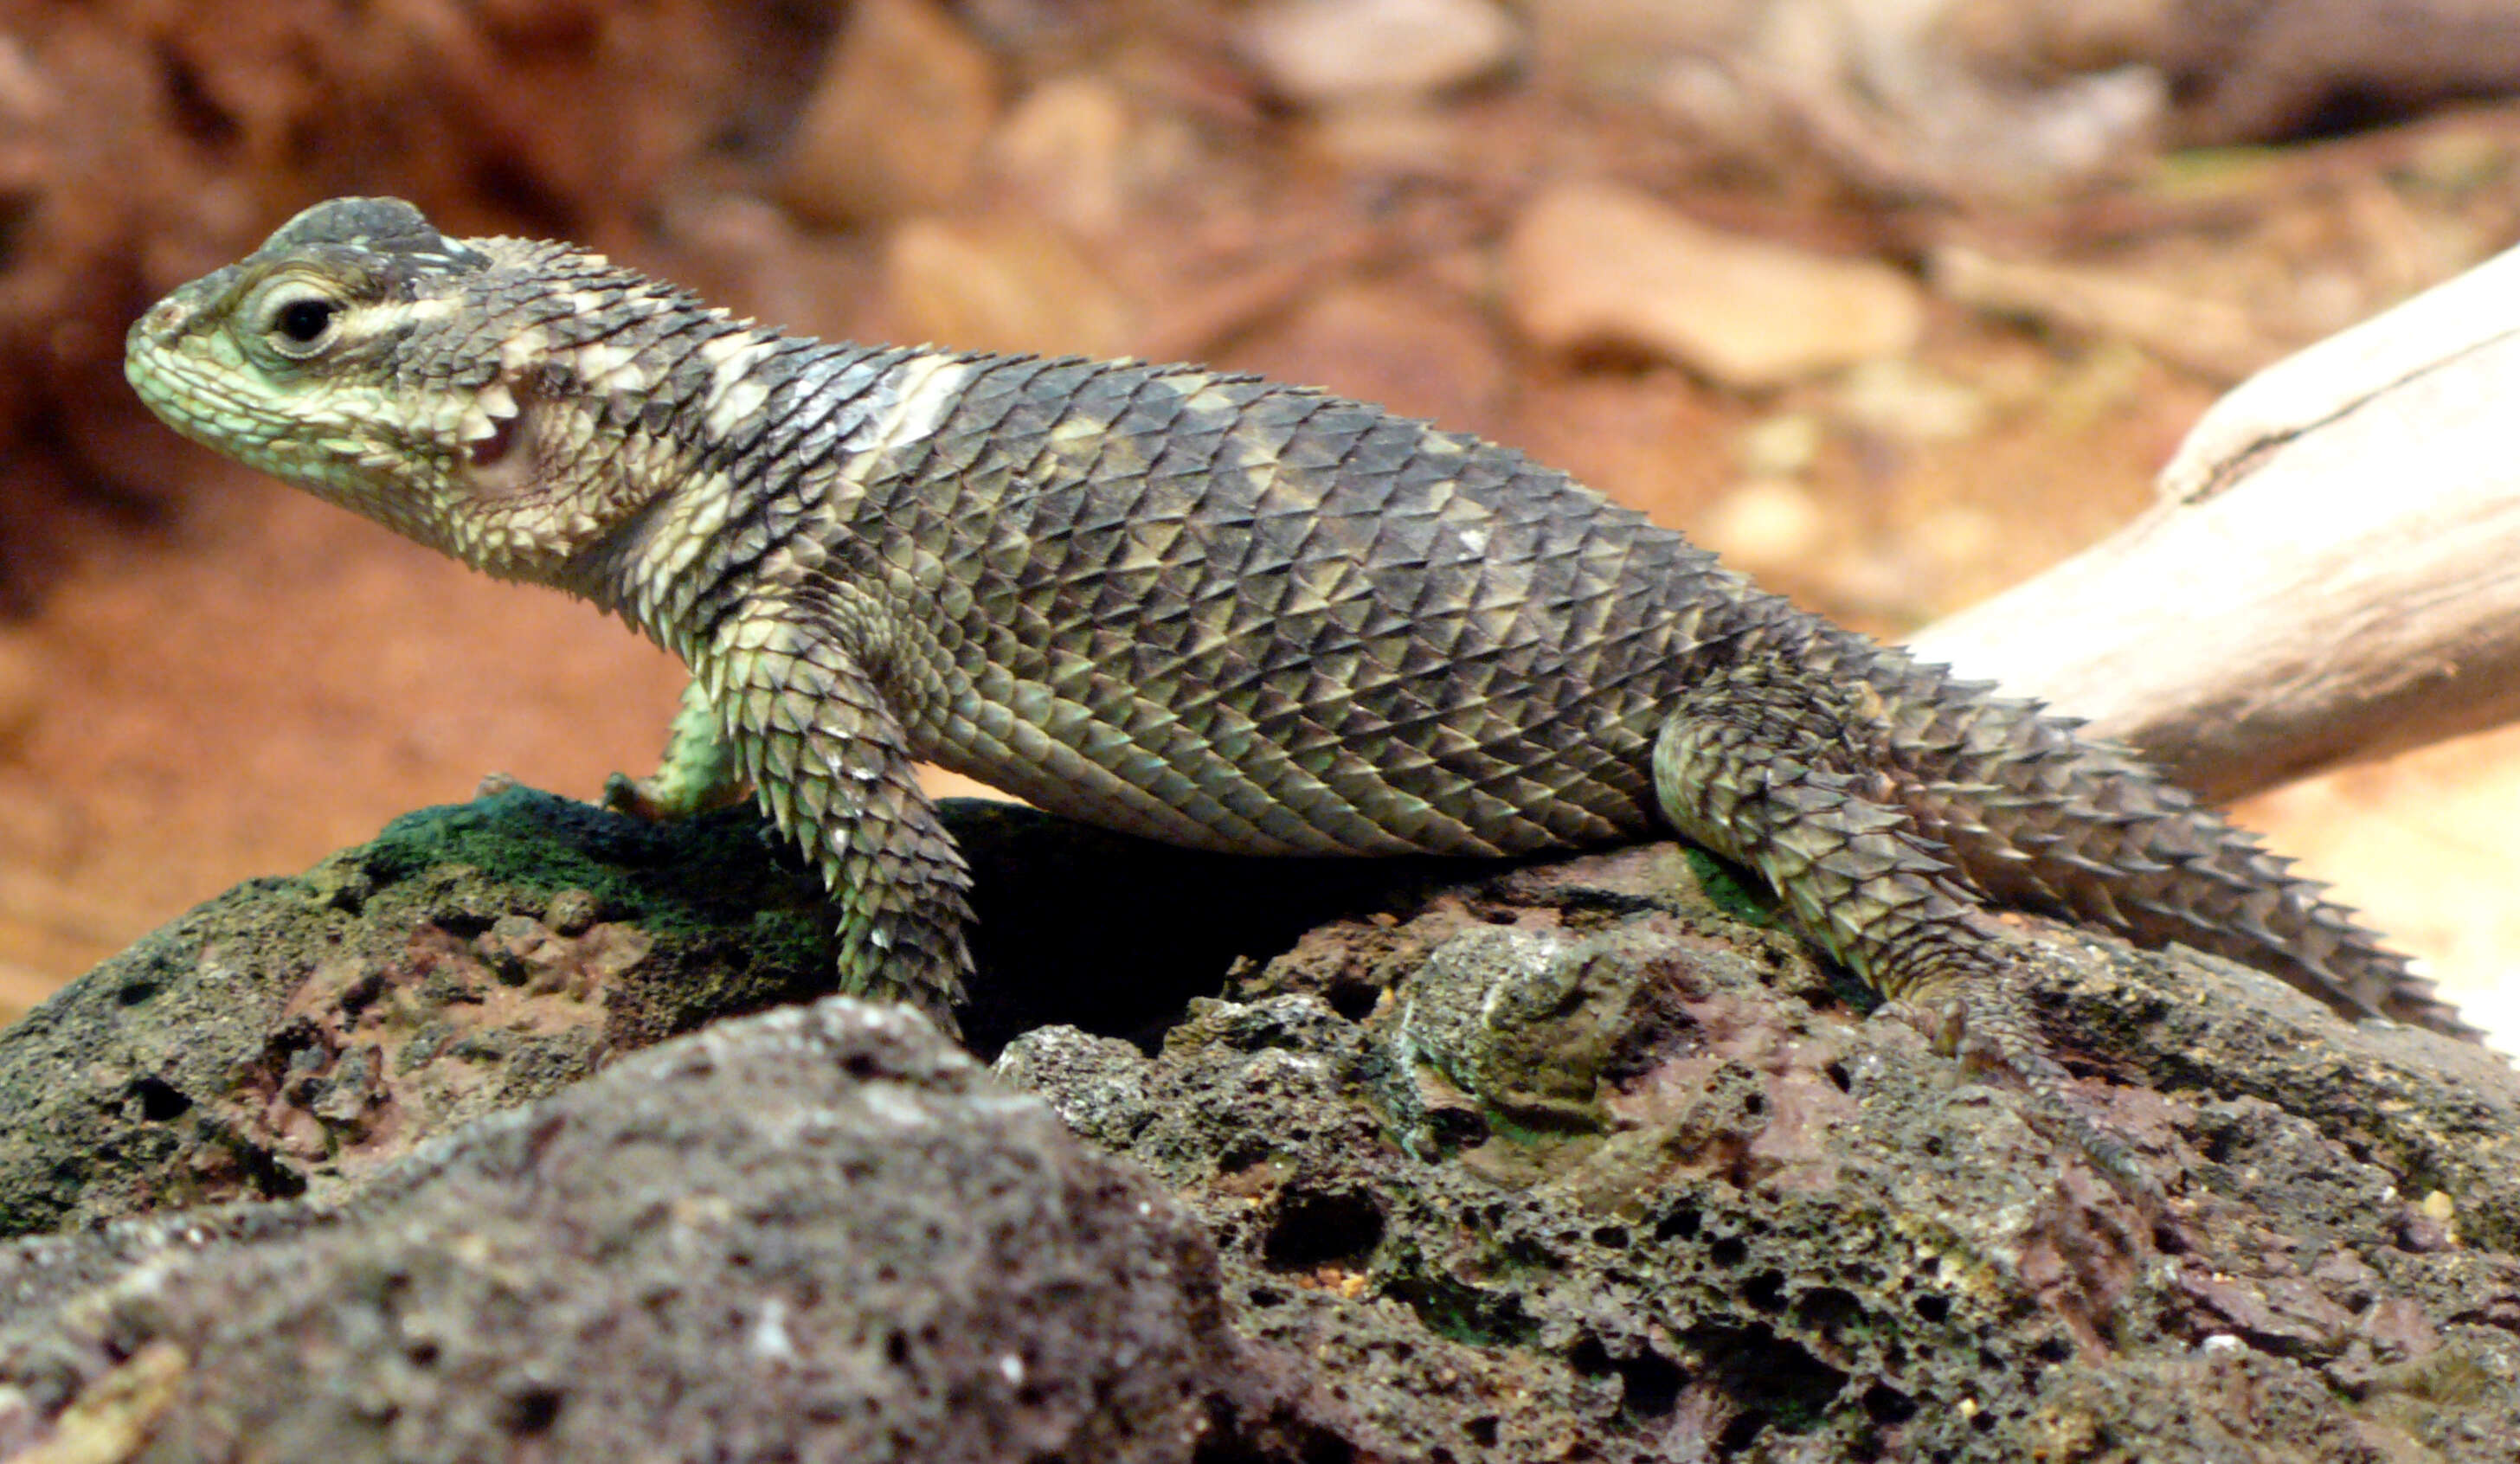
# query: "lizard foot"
x,y
624,794
929,1000
1987,1025
662,796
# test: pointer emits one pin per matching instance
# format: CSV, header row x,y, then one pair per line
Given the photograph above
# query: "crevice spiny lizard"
x,y
1198,607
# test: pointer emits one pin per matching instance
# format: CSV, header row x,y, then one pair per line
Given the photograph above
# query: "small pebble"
x,y
1591,265
1325,53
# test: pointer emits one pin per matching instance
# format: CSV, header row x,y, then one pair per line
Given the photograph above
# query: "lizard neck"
x,y
752,486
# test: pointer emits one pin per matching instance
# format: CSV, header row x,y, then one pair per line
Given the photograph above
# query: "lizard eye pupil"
x,y
304,321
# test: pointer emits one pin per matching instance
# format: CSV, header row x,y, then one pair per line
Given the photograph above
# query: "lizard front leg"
x,y
815,734
1787,772
697,773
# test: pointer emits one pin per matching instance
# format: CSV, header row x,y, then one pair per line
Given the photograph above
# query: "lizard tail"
x,y
2041,818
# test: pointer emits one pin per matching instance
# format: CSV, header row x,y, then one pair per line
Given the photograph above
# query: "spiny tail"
x,y
2041,818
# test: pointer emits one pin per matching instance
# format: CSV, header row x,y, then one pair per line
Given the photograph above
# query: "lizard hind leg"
x,y
1785,773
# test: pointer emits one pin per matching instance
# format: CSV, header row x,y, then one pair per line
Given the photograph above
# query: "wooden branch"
x,y
2333,571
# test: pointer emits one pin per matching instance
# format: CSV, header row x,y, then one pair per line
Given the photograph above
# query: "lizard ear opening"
x,y
498,454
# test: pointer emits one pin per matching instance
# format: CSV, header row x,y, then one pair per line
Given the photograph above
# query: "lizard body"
x,y
1197,607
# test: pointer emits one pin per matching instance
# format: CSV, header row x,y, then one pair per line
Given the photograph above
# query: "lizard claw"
x,y
622,794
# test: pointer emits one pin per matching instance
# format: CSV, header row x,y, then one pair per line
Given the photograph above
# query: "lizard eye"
x,y
298,325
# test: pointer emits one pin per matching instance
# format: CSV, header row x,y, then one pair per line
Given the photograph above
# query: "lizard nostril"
x,y
165,318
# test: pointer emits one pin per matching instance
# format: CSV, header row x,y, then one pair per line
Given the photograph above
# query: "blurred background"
x,y
1892,303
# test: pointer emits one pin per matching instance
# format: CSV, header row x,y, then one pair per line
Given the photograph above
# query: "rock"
x,y
1901,401
1583,1179
752,252
1065,144
1780,445
1593,266
1391,145
1619,46
1574,1159
1325,53
1412,351
1764,524
296,1035
1077,153
1004,284
822,1232
897,121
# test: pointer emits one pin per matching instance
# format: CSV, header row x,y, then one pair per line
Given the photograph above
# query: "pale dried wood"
x,y
2333,571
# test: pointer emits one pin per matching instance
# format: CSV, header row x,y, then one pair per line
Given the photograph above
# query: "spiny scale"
x,y
1202,607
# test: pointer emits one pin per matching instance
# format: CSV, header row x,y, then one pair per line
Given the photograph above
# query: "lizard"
x,y
1195,605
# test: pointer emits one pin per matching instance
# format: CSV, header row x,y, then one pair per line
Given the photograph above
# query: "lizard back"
x,y
1255,618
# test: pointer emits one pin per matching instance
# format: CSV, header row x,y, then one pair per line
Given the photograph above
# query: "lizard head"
x,y
435,384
